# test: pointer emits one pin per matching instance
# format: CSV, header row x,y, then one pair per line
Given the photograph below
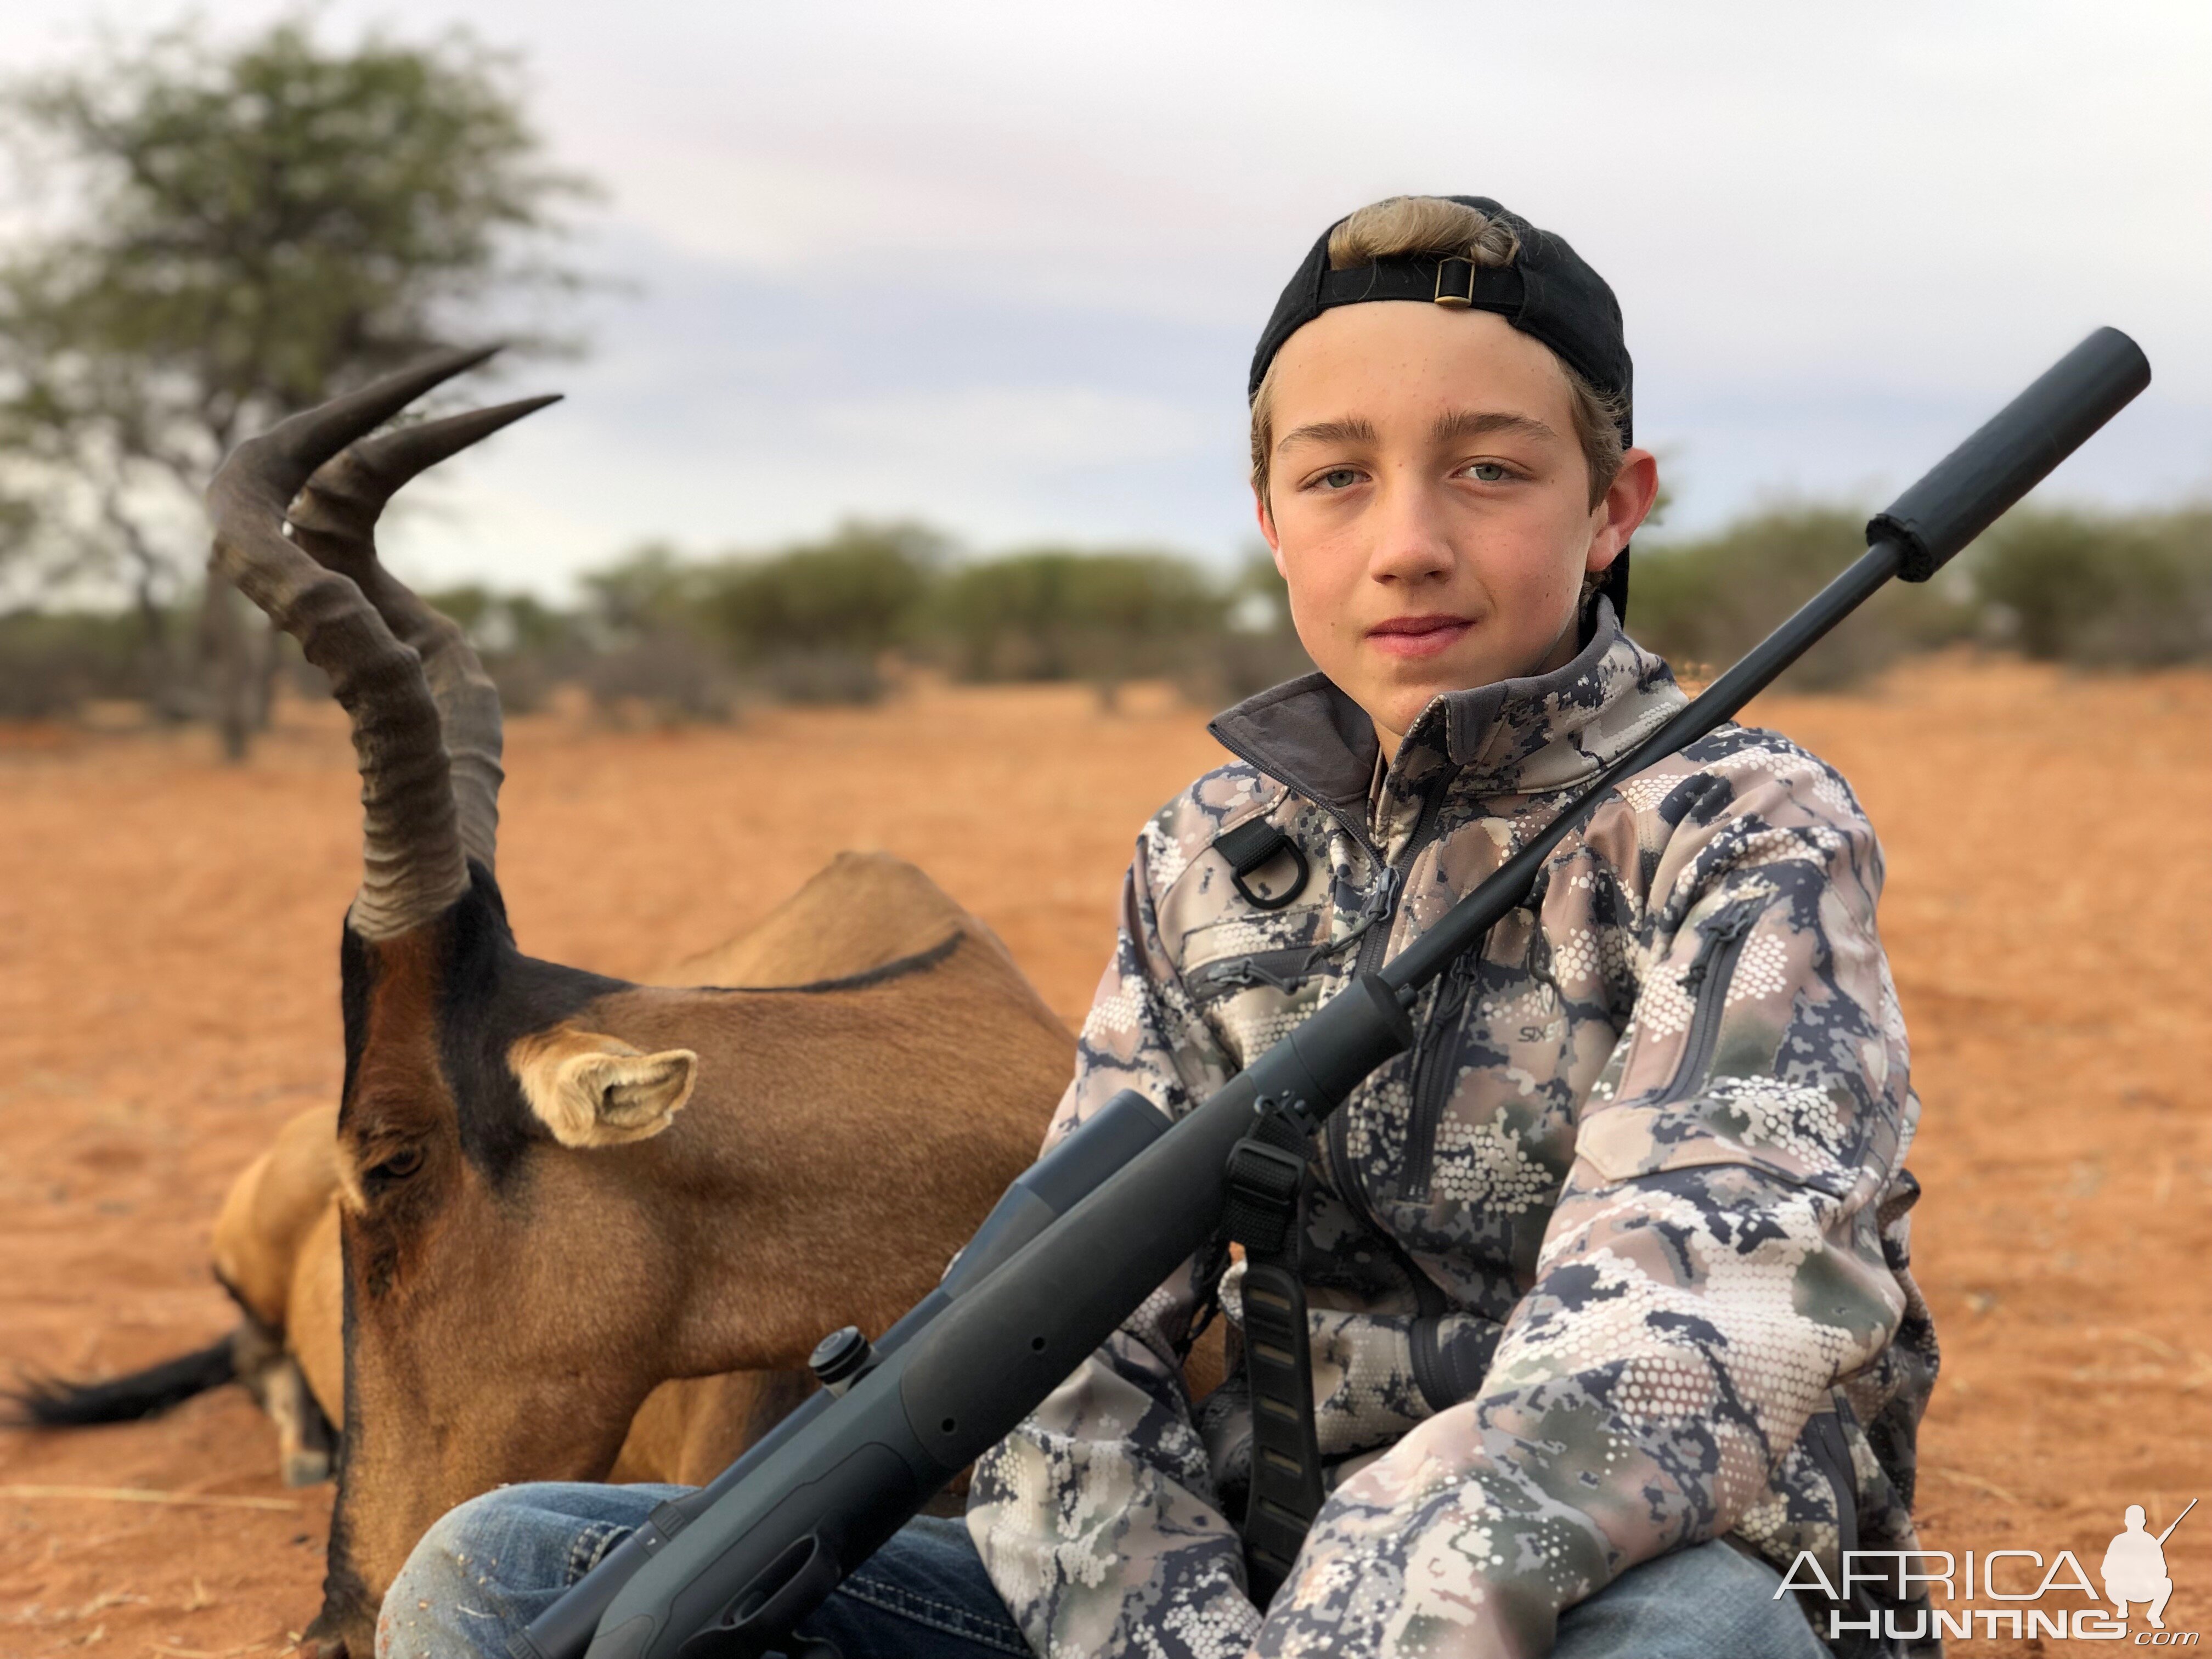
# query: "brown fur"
x,y
315,1323
260,1235
275,1240
838,1146
860,912
270,1210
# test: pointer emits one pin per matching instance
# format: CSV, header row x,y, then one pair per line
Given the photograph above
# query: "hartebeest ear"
x,y
592,1090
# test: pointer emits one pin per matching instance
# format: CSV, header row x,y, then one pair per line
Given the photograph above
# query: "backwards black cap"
x,y
1546,291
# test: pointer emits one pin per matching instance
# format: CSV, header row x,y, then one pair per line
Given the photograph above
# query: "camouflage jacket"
x,y
1613,1262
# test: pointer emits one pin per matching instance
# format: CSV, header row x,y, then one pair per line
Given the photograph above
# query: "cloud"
x,y
1014,429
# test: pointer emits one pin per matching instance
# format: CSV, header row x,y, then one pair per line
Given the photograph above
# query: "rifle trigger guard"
x,y
794,1583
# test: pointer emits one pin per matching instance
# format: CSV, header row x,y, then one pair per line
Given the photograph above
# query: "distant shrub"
x,y
528,646
651,586
1056,614
52,663
805,624
1258,646
829,676
665,638
1703,603
663,678
857,592
2100,589
1231,667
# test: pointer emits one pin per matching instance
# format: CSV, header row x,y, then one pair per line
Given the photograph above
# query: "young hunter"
x,y
1609,1309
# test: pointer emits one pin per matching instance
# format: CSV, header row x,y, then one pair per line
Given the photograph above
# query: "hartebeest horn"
x,y
334,519
414,866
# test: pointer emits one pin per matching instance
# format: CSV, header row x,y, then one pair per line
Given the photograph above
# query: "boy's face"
x,y
1429,504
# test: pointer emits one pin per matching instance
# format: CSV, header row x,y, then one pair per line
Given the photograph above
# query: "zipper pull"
x,y
1236,976
1381,908
1727,928
1386,902
1459,980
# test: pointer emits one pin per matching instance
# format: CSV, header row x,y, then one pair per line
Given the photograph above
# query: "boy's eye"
x,y
1339,477
1487,471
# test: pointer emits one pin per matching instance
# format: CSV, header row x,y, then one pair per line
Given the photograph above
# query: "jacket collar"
x,y
1541,731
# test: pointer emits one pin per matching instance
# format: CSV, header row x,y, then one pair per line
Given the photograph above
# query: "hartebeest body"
x,y
556,1190
275,1249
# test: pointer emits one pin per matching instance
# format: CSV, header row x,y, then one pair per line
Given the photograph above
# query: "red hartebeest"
x,y
557,1190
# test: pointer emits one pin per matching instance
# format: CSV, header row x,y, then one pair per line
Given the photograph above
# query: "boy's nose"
x,y
1411,543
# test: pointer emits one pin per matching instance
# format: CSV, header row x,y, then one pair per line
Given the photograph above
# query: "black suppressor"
x,y
807,1506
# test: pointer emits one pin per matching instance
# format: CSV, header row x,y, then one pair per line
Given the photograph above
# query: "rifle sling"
x,y
1265,1213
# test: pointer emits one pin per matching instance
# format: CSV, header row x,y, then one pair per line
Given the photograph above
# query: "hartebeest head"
x,y
556,1190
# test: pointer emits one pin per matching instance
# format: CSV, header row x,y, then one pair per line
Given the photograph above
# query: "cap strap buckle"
x,y
1456,283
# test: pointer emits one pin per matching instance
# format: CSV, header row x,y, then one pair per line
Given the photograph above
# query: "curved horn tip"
x,y
399,455
314,435
287,455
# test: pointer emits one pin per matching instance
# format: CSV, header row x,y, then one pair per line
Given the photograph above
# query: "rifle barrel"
x,y
2177,1520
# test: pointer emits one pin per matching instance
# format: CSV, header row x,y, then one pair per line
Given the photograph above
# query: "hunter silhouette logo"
x,y
1986,1595
2135,1566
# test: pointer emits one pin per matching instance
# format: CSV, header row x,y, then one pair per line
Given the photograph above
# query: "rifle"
x,y
1080,1240
2177,1520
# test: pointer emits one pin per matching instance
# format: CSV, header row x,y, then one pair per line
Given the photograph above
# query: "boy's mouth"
x,y
1417,636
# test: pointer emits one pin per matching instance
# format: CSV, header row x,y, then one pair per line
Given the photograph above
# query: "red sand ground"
x,y
167,997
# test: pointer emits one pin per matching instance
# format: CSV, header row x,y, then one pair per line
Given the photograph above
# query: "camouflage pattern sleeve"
x,y
1097,1519
1713,1268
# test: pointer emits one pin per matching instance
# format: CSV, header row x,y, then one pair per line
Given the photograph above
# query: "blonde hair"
x,y
1432,226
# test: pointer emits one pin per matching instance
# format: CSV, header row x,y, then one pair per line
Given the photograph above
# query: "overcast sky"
x,y
1001,266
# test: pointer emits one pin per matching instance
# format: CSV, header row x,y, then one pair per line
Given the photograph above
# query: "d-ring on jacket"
x,y
1614,1261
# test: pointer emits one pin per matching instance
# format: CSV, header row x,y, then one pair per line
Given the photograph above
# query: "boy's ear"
x,y
1624,507
1267,529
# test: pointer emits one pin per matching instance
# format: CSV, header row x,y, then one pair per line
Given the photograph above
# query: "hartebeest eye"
x,y
404,1161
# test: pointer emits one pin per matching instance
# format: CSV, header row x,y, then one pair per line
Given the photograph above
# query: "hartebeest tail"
x,y
252,1355
50,1402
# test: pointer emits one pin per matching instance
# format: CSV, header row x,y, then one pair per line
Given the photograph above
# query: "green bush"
x,y
1703,603
666,676
675,639
2100,589
651,587
1257,648
856,595
52,663
1056,614
806,624
528,646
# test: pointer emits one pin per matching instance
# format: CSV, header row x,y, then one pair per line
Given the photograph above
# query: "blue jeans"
x,y
498,1561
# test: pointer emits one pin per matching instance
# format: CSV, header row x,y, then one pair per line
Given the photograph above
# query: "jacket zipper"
x,y
1708,977
1372,949
1831,1452
1283,969
1426,1356
1435,1068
